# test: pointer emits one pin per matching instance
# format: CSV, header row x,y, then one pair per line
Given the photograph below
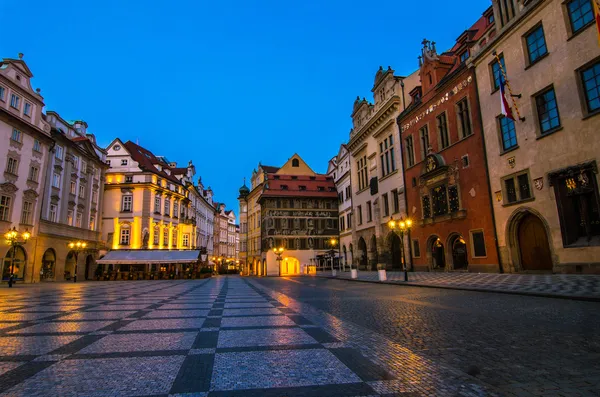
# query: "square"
x,y
26,345
257,321
176,313
67,326
176,323
264,337
24,316
110,315
251,312
122,343
9,366
104,377
119,307
50,308
279,369
180,306
238,305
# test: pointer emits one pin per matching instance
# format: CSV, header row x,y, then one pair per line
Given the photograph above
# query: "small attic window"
x,y
284,187
313,178
18,77
320,188
294,177
302,187
331,189
295,163
275,176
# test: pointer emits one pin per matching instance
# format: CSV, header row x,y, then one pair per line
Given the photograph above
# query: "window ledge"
x,y
388,175
362,190
548,133
125,211
532,64
512,149
591,114
519,202
460,214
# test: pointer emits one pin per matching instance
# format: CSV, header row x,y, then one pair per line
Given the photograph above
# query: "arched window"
x,y
295,163
15,258
156,237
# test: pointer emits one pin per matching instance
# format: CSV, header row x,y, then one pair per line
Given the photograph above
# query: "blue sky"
x,y
225,84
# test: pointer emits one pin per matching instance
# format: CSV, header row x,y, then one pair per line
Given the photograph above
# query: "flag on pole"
x,y
597,17
506,109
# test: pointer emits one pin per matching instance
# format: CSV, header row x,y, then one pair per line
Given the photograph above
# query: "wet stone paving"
x,y
233,336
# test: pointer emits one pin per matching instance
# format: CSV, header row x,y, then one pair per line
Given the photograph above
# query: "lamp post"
x,y
77,247
278,252
12,237
333,243
400,227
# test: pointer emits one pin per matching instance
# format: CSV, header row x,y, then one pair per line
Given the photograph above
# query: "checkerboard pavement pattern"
x,y
560,285
226,336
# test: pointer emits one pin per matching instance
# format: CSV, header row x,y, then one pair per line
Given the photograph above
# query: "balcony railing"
x,y
61,230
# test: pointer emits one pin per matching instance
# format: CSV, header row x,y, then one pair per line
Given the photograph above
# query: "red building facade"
x,y
447,188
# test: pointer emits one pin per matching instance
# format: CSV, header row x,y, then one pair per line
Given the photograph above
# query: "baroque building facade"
x,y
376,170
447,190
340,171
543,165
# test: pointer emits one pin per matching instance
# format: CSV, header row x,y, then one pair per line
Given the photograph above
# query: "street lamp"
x,y
77,247
332,243
278,252
400,227
12,237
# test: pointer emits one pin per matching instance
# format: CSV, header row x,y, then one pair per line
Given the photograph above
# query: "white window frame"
x,y
81,190
5,203
73,188
127,203
78,219
17,135
70,217
58,152
37,146
53,212
14,101
27,109
12,165
33,173
125,236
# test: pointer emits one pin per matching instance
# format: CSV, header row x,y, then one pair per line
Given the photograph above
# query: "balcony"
x,y
66,231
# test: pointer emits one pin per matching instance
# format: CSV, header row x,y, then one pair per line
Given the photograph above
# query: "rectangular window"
x,y
424,136
547,110
349,221
442,125
12,166
410,151
369,211
497,73
37,146
127,201
581,14
507,133
76,162
464,119
174,238
166,237
186,240
5,208
536,44
14,101
73,188
16,136
124,236
2,93
58,152
396,201
386,205
386,154
416,249
124,162
94,196
426,207
92,225
81,191
478,242
156,237
129,179
79,219
26,213
359,210
70,217
590,78
440,200
464,56
52,213
167,207
453,200
362,173
517,188
27,109
157,204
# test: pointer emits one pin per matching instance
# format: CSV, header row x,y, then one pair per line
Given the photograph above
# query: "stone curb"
x,y
587,298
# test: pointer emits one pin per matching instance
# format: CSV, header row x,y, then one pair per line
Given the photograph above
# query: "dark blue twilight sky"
x,y
224,83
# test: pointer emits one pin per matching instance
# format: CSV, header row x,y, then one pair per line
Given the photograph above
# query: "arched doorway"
x,y
438,255
374,258
89,267
362,254
459,252
264,268
16,258
70,265
48,265
533,243
290,266
396,251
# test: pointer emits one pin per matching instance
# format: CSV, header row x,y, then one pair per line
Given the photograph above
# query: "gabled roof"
x,y
289,186
147,160
269,169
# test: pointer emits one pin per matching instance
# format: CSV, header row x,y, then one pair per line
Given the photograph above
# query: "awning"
x,y
123,257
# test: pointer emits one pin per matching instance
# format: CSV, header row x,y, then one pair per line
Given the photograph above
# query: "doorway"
x,y
459,253
438,255
533,245
396,250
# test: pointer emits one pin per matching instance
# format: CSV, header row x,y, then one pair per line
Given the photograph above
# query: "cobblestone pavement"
x,y
232,336
560,285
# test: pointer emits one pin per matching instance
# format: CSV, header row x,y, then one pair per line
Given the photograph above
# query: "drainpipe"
x,y
487,171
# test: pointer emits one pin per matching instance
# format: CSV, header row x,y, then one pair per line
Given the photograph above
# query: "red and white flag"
x,y
506,109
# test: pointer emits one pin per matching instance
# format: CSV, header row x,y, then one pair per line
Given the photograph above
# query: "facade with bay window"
x,y
544,167
444,159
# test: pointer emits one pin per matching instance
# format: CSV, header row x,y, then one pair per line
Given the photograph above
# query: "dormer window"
x,y
124,162
313,178
302,187
430,78
464,56
294,177
19,77
284,187
490,19
128,178
295,163
275,176
320,189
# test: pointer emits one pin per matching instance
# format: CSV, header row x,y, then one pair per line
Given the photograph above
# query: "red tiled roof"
x,y
269,169
146,159
273,187
179,171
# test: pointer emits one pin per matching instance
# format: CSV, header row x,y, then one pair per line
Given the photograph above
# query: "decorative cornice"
x,y
8,187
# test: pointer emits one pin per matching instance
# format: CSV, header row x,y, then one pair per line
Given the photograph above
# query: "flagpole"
x,y
512,96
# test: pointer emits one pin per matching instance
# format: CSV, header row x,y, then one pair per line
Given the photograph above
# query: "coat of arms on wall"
x,y
538,183
512,162
499,195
